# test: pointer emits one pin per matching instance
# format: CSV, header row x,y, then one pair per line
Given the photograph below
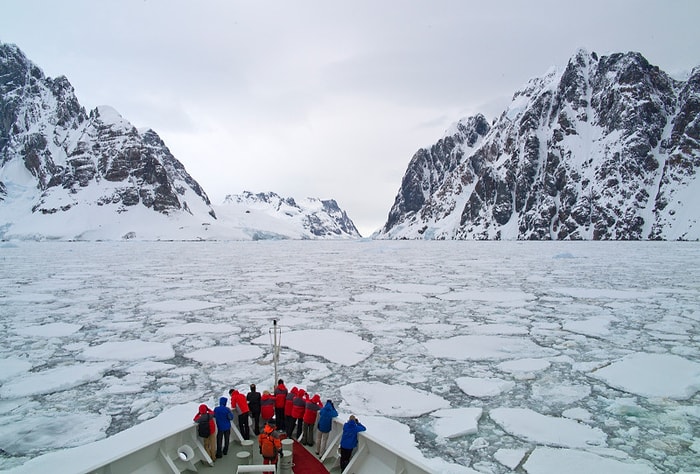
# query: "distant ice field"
x,y
490,357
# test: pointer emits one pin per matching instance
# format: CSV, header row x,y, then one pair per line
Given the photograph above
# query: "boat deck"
x,y
303,462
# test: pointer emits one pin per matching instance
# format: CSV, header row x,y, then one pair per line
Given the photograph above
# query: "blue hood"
x,y
223,401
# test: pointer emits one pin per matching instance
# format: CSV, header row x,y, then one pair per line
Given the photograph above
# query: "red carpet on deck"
x,y
305,462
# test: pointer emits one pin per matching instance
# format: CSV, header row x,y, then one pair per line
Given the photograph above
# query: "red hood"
x,y
316,398
203,408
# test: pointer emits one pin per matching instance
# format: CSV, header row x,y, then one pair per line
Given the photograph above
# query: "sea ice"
x,y
484,387
378,398
485,348
340,347
510,458
225,354
542,429
544,460
52,380
129,351
653,375
455,422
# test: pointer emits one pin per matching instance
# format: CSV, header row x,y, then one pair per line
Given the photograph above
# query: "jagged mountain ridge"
x,y
607,148
310,218
67,174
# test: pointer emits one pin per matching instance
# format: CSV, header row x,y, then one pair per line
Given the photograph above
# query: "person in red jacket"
x,y
298,408
280,399
240,405
210,440
310,415
288,406
267,406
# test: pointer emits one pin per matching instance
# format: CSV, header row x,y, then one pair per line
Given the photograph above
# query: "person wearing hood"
x,y
205,423
240,404
223,416
267,406
280,394
325,423
298,408
288,409
348,441
269,444
310,414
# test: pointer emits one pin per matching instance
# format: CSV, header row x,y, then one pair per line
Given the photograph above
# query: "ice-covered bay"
x,y
494,356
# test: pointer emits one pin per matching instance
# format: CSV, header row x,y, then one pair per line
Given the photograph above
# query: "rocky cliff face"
x,y
56,157
607,148
70,175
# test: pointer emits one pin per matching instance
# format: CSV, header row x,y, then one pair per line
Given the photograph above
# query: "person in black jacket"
x,y
253,398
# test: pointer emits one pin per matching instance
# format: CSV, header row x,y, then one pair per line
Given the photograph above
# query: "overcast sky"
x,y
324,98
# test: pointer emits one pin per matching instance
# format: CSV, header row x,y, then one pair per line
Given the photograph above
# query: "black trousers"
x,y
243,425
256,421
345,455
279,418
222,436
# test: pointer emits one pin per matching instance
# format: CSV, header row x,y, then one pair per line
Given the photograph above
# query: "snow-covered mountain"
x,y
606,148
269,216
69,175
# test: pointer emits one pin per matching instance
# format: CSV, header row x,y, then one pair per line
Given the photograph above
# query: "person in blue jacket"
x,y
348,442
223,415
325,423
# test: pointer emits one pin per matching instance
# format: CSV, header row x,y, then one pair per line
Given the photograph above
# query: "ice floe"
x,y
378,398
549,430
341,347
485,348
484,387
653,375
545,460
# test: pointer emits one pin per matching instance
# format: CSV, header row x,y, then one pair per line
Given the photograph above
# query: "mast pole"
x,y
275,350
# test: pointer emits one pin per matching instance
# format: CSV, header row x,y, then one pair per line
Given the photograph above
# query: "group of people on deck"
x,y
293,413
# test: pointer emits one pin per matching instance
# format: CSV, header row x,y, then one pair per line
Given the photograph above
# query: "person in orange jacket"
x,y
207,417
240,405
310,415
269,444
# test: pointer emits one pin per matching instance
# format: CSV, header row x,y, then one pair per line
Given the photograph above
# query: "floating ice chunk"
x,y
524,366
510,458
455,422
377,398
398,436
485,348
53,380
596,327
182,306
550,461
129,350
390,297
542,429
484,387
49,330
197,328
492,296
222,354
562,392
18,436
13,366
579,414
653,375
341,347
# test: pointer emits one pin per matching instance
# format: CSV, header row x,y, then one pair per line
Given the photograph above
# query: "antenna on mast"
x,y
276,341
